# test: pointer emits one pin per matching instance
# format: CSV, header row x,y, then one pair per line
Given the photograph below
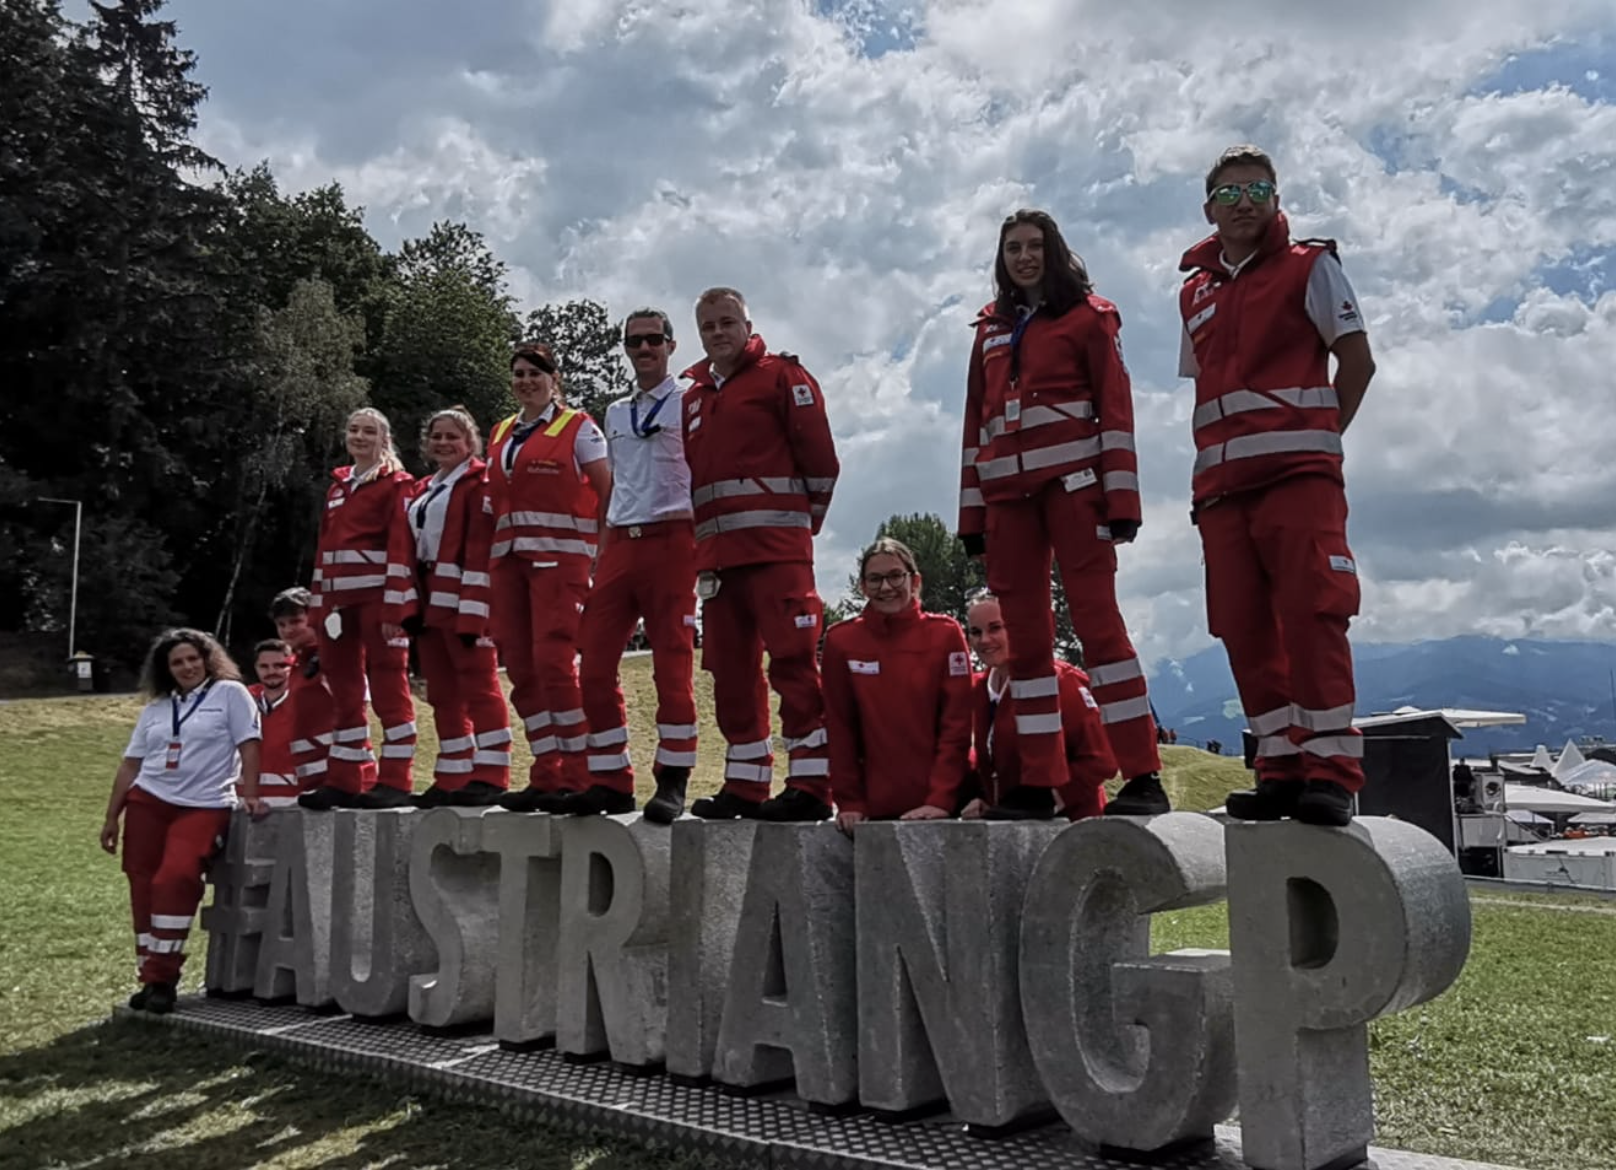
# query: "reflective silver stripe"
x,y
767,518
972,498
446,600
814,739
1074,452
300,745
609,763
278,801
1035,688
968,456
1270,722
542,746
1038,724
1350,746
445,569
166,946
497,759
494,738
821,483
567,718
1273,443
355,556
394,597
547,520
809,766
1330,719
398,751
575,743
1240,401
476,580
451,767
1116,441
1120,481
1125,709
676,730
1200,318
760,749
367,582
1276,745
313,769
143,940
998,468
474,608
324,738
1116,672
499,549
398,571
550,544
353,755
171,922
764,485
752,773
399,731
534,722
1040,416
350,735
675,759
464,744
610,738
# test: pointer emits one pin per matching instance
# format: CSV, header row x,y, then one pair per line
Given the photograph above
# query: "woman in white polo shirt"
x,y
194,750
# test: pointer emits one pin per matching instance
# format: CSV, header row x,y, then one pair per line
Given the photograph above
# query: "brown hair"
x,y
722,293
271,646
156,680
1066,278
542,355
1244,155
887,546
291,602
461,417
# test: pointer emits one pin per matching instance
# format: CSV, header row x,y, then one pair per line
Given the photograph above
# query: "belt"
x,y
653,528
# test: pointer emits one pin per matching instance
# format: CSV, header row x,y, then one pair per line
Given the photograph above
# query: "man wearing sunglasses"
x,y
647,570
1262,316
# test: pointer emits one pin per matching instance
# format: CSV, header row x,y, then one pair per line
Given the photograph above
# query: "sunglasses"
x,y
635,340
1259,191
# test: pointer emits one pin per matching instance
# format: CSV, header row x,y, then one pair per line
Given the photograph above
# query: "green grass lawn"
x,y
1516,1064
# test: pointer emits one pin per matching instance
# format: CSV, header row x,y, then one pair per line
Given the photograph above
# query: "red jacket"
x,y
543,510
897,711
277,772
1068,412
1089,762
351,558
1264,406
456,593
762,461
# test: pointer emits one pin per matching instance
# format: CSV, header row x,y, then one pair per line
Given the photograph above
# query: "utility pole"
x,y
73,603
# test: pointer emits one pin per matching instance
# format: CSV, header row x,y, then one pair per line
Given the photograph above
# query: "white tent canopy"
x,y
1595,818
1546,800
1571,758
1590,774
1542,760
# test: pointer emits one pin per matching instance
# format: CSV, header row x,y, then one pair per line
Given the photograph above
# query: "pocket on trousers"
x,y
797,620
1335,572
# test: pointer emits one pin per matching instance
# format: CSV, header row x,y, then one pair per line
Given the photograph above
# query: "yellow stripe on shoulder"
x,y
562,417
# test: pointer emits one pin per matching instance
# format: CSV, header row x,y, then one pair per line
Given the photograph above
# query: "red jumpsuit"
x,y
312,720
898,711
277,768
1000,755
763,466
546,521
1281,582
351,577
1048,463
449,595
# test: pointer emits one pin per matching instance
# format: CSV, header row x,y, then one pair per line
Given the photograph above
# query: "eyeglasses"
x,y
1259,191
891,580
635,340
519,373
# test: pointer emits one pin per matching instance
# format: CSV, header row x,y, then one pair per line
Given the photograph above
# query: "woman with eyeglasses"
x,y
441,537
897,699
1049,471
547,479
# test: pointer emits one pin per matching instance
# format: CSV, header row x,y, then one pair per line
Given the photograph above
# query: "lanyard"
x,y
1016,334
179,720
426,503
521,433
648,429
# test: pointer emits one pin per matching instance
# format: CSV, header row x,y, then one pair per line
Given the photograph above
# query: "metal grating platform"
x,y
776,1131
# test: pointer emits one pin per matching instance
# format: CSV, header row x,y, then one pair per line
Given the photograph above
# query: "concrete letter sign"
x,y
525,980
939,920
236,919
294,959
613,997
1330,928
455,888
377,941
1136,1050
792,1004
710,860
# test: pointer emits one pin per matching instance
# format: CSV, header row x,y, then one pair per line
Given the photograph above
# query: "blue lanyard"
x,y
426,502
1015,344
179,720
648,429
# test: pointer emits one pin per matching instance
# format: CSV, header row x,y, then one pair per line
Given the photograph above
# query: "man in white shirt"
x,y
646,571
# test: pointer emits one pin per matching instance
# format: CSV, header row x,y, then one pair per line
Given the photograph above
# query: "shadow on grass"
x,y
139,1096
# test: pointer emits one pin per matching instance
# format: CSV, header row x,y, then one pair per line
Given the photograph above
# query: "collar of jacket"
x,y
702,372
1208,254
884,624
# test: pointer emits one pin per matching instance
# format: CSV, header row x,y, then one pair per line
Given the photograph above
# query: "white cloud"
x,y
635,152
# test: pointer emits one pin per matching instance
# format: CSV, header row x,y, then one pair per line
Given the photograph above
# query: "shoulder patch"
x,y
802,394
959,664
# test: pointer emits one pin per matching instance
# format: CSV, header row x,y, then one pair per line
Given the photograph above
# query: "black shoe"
x,y
476,794
1140,797
325,799
596,800
160,998
669,802
1271,800
434,797
383,796
527,800
726,806
1024,803
1324,802
794,805
138,1000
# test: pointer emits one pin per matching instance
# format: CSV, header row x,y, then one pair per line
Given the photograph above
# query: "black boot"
x,y
1140,797
596,800
794,805
725,806
325,799
527,800
1024,803
160,998
669,802
1324,802
476,794
383,796
138,1000
434,797
1271,800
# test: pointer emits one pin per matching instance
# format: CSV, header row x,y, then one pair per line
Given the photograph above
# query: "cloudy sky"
x,y
846,163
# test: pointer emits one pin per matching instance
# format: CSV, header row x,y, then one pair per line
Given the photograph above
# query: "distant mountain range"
x,y
1563,689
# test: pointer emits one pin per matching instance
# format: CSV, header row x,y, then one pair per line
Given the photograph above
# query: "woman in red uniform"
x,y
547,476
897,699
1000,755
441,536
1049,469
351,576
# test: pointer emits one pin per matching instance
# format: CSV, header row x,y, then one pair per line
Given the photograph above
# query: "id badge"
x,y
171,761
333,624
707,585
1012,414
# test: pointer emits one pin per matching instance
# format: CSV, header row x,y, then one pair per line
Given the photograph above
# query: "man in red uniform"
x,y
647,570
277,773
1262,315
763,467
310,711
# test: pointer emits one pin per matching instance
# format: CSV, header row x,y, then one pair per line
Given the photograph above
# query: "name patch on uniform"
x,y
806,621
802,394
1348,312
690,620
1078,480
858,667
1343,565
1088,700
996,342
959,664
1201,318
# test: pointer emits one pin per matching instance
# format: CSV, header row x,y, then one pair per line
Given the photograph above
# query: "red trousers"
x,y
769,608
1021,536
166,848
468,710
362,653
309,706
650,575
535,614
1281,588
